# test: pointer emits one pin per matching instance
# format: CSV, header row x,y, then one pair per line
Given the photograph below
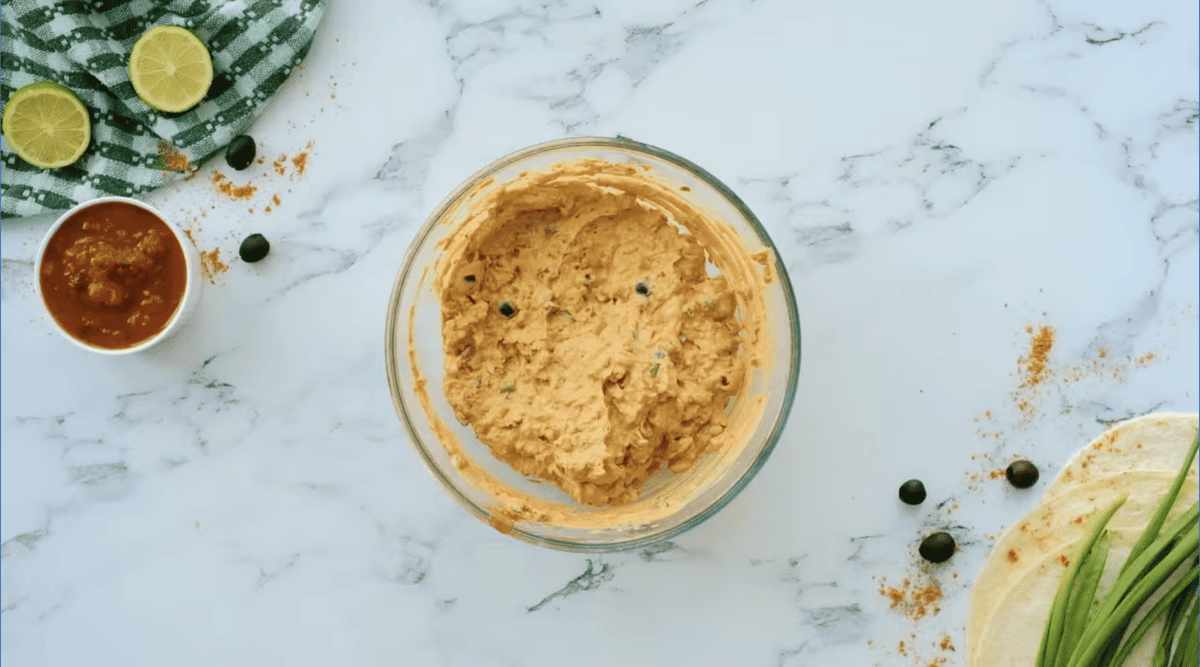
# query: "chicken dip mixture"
x,y
597,327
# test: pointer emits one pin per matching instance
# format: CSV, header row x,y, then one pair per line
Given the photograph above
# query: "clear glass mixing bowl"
x,y
413,349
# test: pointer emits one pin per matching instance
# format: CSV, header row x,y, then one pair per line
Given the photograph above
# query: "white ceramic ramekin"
x,y
191,292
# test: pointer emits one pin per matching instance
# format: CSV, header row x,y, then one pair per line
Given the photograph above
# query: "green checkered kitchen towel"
x,y
85,45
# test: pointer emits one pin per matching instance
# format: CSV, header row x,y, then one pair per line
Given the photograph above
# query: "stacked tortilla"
x,y
1011,600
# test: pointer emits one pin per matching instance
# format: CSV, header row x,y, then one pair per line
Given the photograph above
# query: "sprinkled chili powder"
x,y
171,159
227,188
1034,365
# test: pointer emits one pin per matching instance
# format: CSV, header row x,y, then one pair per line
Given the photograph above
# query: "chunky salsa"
x,y
113,275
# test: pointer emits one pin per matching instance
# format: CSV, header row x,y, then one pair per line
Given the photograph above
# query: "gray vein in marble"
x,y
591,579
1175,227
324,490
1006,48
859,543
647,47
27,540
283,567
339,261
791,572
840,624
637,49
1117,335
835,229
664,551
408,166
406,560
1103,38
1129,414
472,46
786,655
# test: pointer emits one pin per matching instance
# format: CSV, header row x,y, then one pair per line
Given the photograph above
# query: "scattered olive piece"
x,y
912,492
507,309
469,279
240,152
937,548
642,289
254,248
1022,474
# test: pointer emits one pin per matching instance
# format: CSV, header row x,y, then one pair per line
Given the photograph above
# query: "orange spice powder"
x,y
1035,364
300,162
227,188
172,159
914,601
211,265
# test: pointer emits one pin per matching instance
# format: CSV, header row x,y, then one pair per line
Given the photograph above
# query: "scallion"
x,y
1100,631
1185,651
1160,515
1080,603
1048,650
1175,599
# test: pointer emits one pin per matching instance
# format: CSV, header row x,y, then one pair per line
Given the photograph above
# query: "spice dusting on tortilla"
x,y
1035,363
1013,556
1064,560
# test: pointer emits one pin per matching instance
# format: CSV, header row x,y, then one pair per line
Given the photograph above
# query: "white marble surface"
x,y
938,176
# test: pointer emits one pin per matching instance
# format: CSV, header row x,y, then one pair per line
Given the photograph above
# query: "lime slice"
x,y
47,125
170,68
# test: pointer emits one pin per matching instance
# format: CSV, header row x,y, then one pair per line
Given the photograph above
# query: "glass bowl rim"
x,y
393,321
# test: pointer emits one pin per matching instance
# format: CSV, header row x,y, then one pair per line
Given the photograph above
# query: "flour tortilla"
x,y
1012,637
1153,442
1061,521
1140,457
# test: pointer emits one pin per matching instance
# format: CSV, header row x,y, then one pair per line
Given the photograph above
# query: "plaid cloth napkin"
x,y
85,45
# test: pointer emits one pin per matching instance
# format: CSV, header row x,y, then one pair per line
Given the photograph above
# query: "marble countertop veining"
x,y
946,182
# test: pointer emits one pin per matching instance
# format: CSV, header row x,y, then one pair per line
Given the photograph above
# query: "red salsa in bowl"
x,y
113,274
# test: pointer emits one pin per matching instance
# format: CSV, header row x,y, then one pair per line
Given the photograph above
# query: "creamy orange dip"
x,y
598,327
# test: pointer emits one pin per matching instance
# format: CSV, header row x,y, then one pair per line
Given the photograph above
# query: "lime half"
x,y
47,125
170,68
